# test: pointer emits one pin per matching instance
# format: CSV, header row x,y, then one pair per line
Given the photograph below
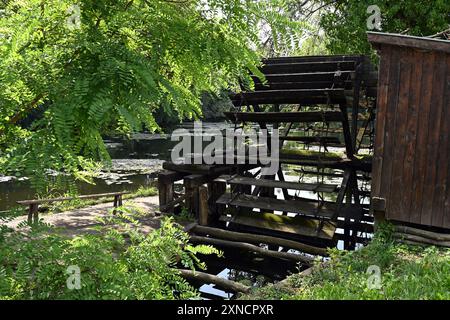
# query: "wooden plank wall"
x,y
411,168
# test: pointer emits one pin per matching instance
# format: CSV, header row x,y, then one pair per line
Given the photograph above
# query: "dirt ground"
x,y
86,219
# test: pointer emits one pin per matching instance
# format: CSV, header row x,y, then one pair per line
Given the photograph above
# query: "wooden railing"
x,y
33,211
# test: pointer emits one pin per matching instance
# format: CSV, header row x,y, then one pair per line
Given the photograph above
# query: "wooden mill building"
x,y
411,167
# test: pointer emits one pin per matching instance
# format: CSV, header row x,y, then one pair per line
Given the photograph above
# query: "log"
x,y
257,239
423,233
209,278
421,240
253,248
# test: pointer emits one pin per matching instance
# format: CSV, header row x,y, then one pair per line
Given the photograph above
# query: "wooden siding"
x,y
411,168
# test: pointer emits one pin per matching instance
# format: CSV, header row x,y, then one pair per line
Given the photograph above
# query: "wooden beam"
x,y
277,117
333,58
302,96
257,239
390,39
305,77
310,66
249,247
305,207
314,187
203,214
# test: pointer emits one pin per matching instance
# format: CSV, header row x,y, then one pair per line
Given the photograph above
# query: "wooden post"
x,y
191,185
378,209
33,213
216,190
203,206
116,201
165,188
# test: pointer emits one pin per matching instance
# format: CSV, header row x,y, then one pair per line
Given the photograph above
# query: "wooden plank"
x,y
310,66
410,136
312,58
298,225
311,139
294,96
295,93
388,149
346,132
369,85
300,206
433,147
409,41
311,155
422,138
314,187
277,117
299,85
305,77
446,219
188,168
442,182
399,141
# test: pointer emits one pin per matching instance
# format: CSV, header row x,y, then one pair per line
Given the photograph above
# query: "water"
x,y
246,268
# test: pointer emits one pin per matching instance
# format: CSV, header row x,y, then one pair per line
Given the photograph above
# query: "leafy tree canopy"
x,y
345,21
98,66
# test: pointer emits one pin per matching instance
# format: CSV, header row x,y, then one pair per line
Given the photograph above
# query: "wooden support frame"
x,y
166,180
203,215
215,190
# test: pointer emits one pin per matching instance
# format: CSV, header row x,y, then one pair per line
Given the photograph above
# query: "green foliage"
x,y
407,272
126,60
345,22
33,265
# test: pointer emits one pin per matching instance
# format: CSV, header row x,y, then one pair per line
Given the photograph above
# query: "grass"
x,y
406,272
